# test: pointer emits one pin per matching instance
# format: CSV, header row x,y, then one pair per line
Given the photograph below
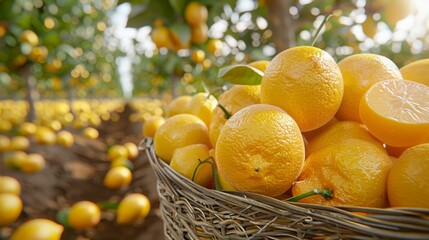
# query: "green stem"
x,y
227,114
217,186
326,193
320,28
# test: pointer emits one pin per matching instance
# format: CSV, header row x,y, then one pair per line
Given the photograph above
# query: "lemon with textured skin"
x,y
360,72
408,181
305,82
233,99
355,170
264,145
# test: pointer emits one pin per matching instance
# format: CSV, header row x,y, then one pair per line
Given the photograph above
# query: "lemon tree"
x,y
52,50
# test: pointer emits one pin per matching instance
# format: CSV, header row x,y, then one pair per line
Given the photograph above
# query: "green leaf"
x,y
178,6
63,217
241,74
145,14
108,204
183,31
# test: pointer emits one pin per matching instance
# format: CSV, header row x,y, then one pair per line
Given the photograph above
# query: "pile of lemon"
x,y
357,129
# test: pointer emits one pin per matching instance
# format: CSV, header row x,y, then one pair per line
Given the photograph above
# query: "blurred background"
x,y
108,48
110,65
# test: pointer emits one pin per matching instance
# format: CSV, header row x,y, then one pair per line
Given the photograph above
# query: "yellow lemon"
x,y
40,229
233,99
10,208
117,151
84,214
9,185
360,72
133,207
417,71
408,181
397,112
185,161
305,82
117,177
179,131
202,105
178,105
355,170
151,125
65,138
260,149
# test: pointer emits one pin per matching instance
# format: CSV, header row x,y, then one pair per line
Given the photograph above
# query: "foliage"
x,y
245,36
71,51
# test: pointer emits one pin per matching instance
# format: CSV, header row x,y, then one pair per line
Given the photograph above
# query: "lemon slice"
x,y
397,112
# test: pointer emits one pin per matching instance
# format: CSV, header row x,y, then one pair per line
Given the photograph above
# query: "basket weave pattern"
x,y
190,211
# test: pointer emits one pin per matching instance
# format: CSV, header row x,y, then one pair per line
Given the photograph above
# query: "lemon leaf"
x,y
241,74
63,217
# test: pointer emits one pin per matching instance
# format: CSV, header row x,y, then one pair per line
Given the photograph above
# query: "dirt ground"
x,y
76,173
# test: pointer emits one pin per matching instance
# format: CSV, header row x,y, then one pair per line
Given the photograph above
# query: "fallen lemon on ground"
x,y
118,177
132,208
10,208
40,229
84,214
9,185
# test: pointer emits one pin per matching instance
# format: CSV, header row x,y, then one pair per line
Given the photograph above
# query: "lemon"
x,y
417,71
397,112
10,208
260,149
185,161
408,181
9,185
40,229
117,177
151,125
305,82
132,208
360,72
179,131
84,214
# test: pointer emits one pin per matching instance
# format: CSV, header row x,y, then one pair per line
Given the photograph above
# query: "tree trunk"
x,y
32,94
281,24
70,98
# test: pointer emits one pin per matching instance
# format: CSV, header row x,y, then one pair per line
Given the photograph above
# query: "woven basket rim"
x,y
399,223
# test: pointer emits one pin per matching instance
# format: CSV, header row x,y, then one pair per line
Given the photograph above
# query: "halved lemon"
x,y
397,112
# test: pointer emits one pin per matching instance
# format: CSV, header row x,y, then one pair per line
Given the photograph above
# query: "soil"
x,y
76,173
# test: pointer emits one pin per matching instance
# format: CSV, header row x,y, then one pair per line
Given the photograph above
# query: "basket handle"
x,y
145,143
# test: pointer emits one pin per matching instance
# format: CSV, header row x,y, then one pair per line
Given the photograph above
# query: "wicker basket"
x,y
193,212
